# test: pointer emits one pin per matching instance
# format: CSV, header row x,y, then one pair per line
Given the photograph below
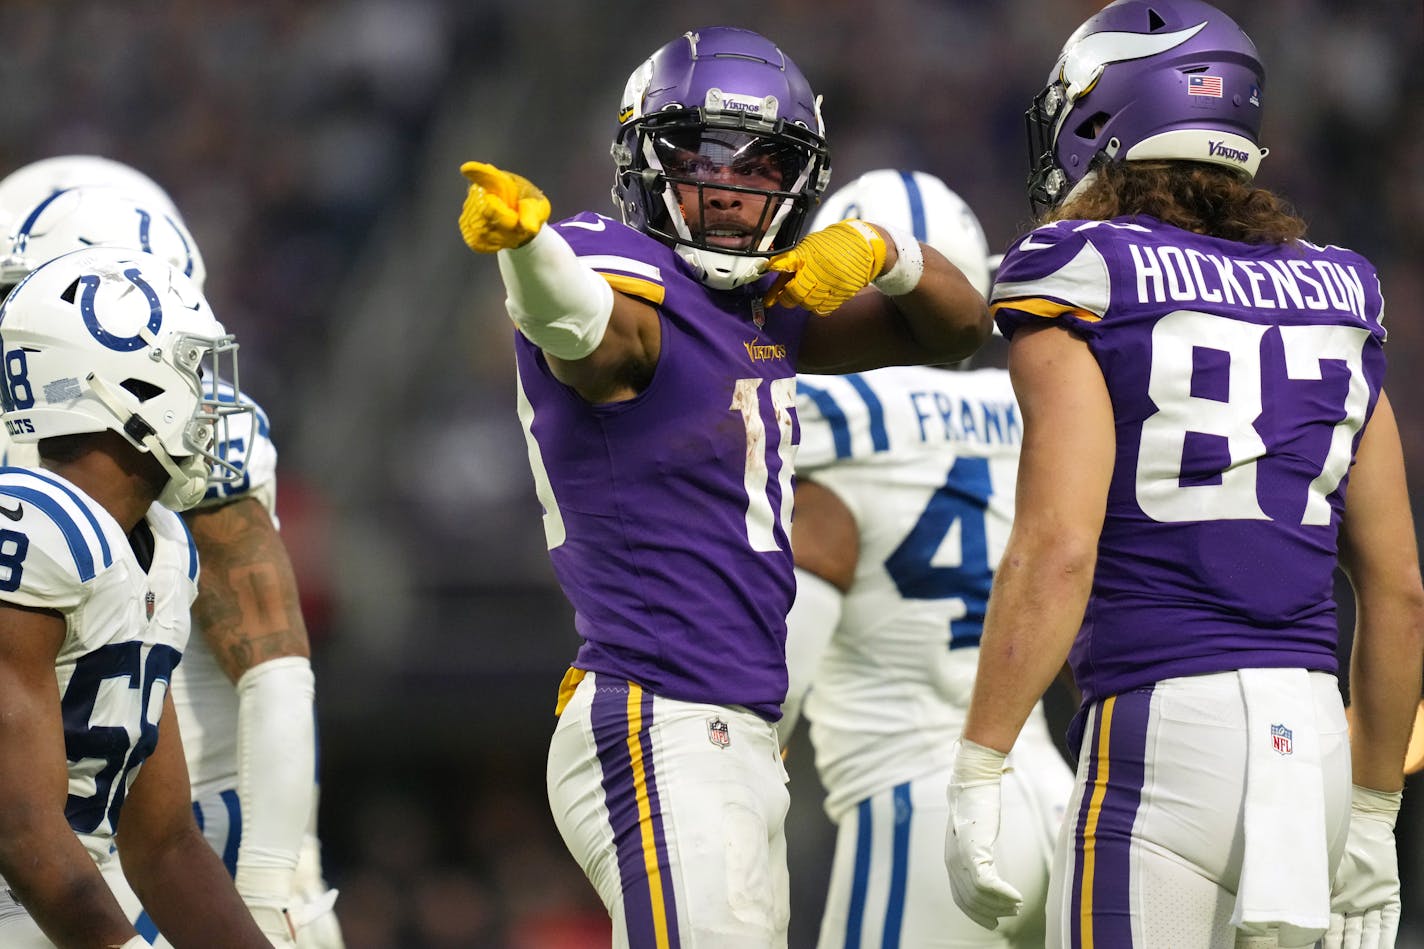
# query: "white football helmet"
x,y
111,339
919,204
75,218
30,184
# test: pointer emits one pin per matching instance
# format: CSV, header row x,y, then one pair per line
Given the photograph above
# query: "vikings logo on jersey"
x,y
700,469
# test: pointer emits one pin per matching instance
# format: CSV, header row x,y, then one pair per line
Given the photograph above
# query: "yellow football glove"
x,y
828,267
502,210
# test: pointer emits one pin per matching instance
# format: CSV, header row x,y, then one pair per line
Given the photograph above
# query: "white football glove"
x,y
313,908
974,802
274,922
1364,900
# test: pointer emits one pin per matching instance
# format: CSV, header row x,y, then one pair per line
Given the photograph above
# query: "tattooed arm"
x,y
248,612
247,606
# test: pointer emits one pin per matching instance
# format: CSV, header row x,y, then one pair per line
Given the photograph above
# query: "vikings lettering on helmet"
x,y
720,108
1169,81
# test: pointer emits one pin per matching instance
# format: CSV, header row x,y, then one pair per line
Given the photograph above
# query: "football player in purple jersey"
x,y
1206,435
656,360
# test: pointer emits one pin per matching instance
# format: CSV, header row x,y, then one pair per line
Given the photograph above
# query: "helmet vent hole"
x,y
70,291
1154,21
1089,128
141,389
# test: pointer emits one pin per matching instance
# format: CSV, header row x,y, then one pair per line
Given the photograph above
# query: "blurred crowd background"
x,y
314,149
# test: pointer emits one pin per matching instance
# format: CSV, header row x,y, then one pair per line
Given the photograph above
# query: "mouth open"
x,y
729,236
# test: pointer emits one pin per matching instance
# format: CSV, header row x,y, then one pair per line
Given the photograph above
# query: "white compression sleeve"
x,y
558,302
276,759
809,625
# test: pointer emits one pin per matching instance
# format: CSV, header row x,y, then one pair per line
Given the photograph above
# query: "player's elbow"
x,y
962,329
1062,555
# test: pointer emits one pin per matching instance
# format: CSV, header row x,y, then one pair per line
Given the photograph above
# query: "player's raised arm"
x,y
593,337
921,310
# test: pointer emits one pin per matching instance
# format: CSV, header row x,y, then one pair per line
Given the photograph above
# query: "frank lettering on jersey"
x,y
875,412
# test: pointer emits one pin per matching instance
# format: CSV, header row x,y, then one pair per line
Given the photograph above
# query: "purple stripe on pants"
x,y
622,777
1109,903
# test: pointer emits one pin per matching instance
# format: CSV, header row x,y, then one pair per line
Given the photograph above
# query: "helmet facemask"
x,y
720,152
191,451
107,339
725,192
1047,181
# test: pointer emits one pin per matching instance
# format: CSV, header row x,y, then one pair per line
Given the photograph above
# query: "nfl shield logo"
x,y
717,733
758,312
1281,739
148,601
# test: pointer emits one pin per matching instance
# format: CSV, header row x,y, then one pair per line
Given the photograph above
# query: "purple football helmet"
x,y
720,152
1142,80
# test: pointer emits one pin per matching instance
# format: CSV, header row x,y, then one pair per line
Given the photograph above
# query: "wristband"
x,y
909,265
975,764
1382,805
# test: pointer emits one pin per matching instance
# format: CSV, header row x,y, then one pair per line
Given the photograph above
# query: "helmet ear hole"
x,y
1089,128
70,292
1154,21
141,389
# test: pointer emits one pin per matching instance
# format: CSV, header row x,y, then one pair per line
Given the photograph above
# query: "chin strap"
x,y
722,271
137,429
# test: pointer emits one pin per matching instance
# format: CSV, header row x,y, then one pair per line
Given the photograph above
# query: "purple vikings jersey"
x,y
668,516
1241,376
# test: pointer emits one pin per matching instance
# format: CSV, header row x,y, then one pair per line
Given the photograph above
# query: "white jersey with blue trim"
x,y
926,460
126,629
203,696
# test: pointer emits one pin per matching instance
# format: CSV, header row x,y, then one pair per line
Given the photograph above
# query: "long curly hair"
x,y
1206,199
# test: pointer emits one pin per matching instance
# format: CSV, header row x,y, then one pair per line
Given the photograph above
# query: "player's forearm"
x,y
55,879
1040,592
556,300
276,742
944,314
1385,687
182,873
248,606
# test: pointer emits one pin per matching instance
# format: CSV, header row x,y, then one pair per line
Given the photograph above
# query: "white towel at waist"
x,y
1285,866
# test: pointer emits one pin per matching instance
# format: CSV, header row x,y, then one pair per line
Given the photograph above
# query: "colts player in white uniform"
x,y
903,506
257,817
103,351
